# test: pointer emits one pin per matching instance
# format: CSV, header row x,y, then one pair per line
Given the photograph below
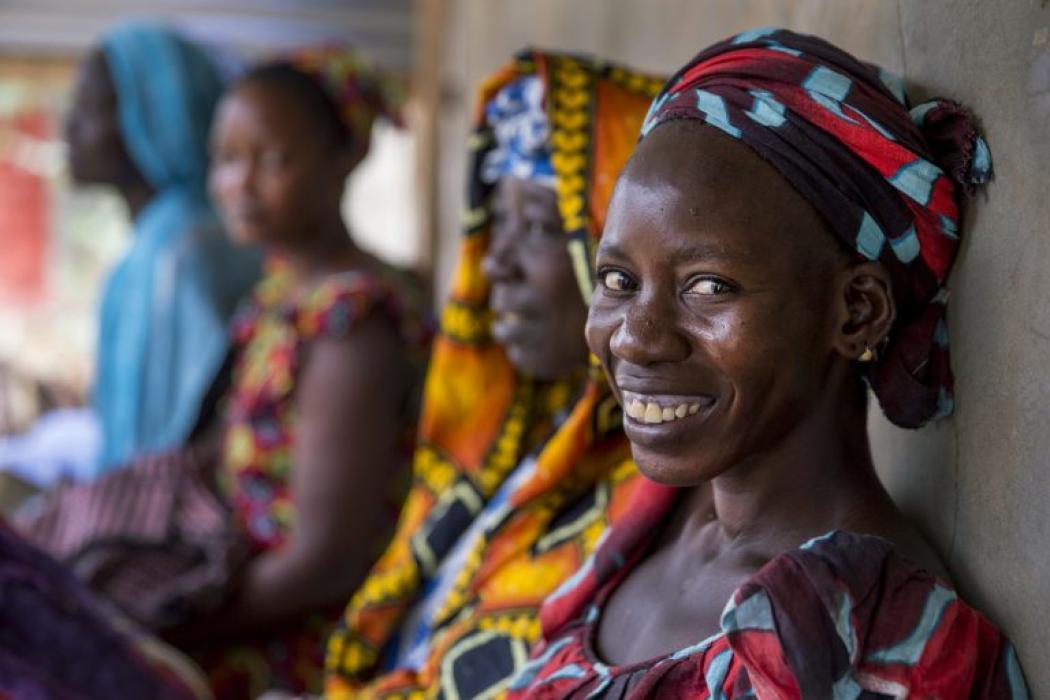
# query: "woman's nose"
x,y
649,333
500,262
240,176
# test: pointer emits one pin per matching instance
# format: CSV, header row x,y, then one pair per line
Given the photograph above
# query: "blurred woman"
x,y
318,423
521,463
139,122
780,236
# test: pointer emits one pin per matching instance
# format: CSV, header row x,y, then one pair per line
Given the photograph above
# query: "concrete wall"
x,y
977,484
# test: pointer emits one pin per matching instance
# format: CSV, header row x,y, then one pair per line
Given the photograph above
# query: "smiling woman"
x,y
781,234
693,315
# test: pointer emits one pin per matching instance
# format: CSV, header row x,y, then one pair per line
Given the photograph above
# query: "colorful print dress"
x,y
272,333
840,617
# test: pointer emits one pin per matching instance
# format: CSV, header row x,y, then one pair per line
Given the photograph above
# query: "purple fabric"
x,y
57,641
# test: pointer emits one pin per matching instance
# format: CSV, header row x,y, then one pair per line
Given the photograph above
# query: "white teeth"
x,y
653,413
636,409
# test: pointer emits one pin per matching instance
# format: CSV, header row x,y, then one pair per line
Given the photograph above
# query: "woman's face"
x,y
273,175
713,315
97,155
535,299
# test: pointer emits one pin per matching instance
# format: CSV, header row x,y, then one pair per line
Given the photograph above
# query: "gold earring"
x,y
868,355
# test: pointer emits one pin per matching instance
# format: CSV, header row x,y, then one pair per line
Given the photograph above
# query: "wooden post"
x,y
431,17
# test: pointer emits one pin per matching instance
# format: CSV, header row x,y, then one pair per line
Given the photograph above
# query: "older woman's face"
x,y
712,315
539,312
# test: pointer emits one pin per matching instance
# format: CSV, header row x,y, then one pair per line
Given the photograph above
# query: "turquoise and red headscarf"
x,y
888,178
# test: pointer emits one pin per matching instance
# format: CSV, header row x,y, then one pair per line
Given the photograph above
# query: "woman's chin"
x,y
669,476
678,470
246,236
531,360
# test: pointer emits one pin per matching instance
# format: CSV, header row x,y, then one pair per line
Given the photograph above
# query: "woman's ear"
x,y
866,310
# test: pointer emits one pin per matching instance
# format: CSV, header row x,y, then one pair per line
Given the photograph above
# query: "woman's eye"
x,y
541,228
222,156
617,281
709,286
272,159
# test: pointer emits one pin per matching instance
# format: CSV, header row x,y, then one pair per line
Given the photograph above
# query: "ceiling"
x,y
381,29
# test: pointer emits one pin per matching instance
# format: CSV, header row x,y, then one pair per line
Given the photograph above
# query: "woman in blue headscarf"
x,y
141,115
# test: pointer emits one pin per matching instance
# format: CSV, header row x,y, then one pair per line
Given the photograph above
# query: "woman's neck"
x,y
136,194
328,248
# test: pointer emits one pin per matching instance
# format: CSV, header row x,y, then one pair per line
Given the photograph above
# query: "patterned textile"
x,y
154,537
57,640
518,120
887,181
272,334
480,419
167,304
361,91
842,616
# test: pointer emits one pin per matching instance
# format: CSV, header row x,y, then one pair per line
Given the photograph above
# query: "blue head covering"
x,y
163,332
522,132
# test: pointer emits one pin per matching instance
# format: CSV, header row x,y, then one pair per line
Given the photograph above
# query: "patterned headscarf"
x,y
361,91
519,123
480,416
887,179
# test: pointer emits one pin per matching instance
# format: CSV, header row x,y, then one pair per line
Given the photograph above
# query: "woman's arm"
x,y
349,401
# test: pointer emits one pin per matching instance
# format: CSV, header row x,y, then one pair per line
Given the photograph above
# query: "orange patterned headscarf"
x,y
480,417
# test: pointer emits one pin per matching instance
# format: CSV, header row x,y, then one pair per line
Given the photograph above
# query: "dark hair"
x,y
309,94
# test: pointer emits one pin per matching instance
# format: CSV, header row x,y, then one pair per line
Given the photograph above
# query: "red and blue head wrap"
x,y
887,177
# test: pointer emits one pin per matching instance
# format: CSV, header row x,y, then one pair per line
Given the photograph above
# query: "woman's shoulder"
x,y
333,305
848,611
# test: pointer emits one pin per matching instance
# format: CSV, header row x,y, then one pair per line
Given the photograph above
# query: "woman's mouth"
x,y
653,409
509,317
507,325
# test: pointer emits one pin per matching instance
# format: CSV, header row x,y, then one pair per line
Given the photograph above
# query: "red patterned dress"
x,y
272,333
840,617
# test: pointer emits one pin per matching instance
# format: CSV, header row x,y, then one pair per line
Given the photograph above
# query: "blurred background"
x,y
59,240
977,484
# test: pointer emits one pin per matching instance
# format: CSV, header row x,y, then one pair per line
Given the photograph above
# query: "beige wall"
x,y
979,483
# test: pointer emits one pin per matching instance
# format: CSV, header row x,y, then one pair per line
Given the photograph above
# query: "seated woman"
x,y
139,123
780,236
318,423
521,463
